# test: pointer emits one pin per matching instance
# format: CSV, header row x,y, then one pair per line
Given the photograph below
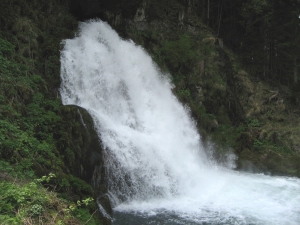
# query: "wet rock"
x,y
275,137
275,163
212,125
87,9
246,140
105,209
248,166
104,201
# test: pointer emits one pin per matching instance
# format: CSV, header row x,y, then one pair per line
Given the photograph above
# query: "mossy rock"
x,y
246,139
85,144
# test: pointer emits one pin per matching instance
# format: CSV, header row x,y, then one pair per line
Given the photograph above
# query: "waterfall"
x,y
153,154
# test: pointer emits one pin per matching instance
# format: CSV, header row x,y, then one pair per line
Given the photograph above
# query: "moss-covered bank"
x,y
38,135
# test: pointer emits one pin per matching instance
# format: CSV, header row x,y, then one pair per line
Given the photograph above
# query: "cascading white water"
x,y
153,155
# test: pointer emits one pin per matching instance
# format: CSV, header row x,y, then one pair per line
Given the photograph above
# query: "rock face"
x,y
88,159
88,163
89,9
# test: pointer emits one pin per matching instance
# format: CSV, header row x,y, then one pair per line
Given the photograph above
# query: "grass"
x,y
24,202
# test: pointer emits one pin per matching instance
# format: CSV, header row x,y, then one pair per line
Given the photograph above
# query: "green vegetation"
x,y
25,122
38,135
227,136
253,123
179,54
31,203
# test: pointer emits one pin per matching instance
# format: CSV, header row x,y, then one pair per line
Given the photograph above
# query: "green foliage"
x,y
179,54
21,201
34,131
184,93
28,119
6,48
5,219
258,145
227,135
36,210
45,178
253,123
27,197
79,185
267,145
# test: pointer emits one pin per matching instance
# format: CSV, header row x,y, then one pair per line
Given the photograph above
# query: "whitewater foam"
x,y
154,158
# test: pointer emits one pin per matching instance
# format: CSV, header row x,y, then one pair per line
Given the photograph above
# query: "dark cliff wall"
x,y
87,9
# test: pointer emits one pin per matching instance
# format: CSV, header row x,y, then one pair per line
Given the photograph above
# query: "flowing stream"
x,y
158,170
